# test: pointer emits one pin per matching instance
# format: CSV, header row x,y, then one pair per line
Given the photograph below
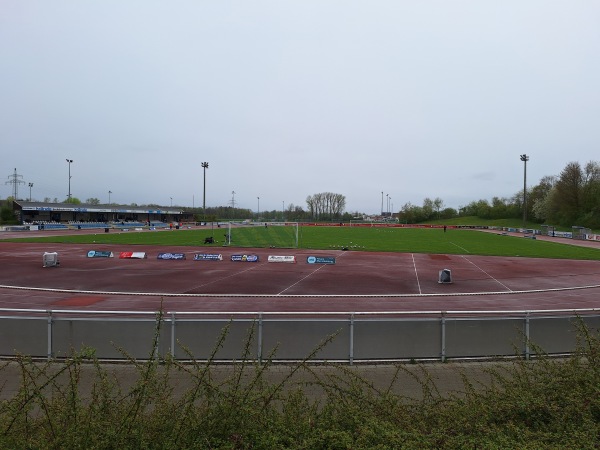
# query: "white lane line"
x,y
462,248
221,279
338,255
301,280
172,294
416,273
497,281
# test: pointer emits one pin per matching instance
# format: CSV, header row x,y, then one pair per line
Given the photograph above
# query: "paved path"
x,y
405,378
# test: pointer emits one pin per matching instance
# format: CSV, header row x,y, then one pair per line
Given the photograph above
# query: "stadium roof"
x,y
83,207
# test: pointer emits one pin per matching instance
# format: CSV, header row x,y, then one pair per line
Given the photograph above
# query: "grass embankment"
x,y
547,404
407,240
477,221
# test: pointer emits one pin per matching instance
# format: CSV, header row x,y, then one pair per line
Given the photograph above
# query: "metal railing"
x,y
354,337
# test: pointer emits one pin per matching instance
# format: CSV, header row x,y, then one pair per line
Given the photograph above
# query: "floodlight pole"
x,y
204,166
258,208
69,161
524,158
387,203
109,192
381,203
30,186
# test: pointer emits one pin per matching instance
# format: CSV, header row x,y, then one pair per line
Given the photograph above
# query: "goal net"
x,y
262,234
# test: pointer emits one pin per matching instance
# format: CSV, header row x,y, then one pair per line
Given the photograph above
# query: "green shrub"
x,y
545,403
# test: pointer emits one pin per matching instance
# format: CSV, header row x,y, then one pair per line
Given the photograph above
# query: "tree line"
x,y
571,198
568,199
324,206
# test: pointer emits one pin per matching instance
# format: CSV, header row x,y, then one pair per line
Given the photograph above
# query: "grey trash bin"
x,y
445,276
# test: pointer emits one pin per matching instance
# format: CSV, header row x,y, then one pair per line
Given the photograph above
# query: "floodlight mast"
x,y
69,161
30,186
204,166
524,158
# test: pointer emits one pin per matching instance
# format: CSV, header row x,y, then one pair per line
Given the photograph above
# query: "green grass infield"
x,y
406,240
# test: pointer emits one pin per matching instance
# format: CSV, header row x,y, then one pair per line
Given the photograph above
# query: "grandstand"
x,y
72,215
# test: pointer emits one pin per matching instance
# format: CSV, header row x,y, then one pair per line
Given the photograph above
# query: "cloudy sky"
x,y
285,99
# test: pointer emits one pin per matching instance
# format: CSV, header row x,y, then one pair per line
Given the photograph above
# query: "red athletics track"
x,y
358,282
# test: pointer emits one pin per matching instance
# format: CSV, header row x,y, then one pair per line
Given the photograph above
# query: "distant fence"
x,y
357,337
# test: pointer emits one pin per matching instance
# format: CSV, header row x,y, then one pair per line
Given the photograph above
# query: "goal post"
x,y
281,234
263,234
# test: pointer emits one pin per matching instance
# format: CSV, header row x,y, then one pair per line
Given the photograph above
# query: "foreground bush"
x,y
546,403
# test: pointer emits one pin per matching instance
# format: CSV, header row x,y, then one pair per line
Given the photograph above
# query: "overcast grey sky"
x,y
286,99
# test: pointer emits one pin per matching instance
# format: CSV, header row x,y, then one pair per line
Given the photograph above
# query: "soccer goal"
x,y
262,234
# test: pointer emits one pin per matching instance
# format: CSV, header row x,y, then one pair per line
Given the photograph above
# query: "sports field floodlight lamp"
x,y
69,161
204,166
524,158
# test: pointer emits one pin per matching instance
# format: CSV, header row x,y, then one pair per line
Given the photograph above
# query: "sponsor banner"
x,y
320,260
99,254
132,255
281,259
170,256
563,234
245,258
208,257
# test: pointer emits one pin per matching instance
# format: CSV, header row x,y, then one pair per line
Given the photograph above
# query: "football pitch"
x,y
404,240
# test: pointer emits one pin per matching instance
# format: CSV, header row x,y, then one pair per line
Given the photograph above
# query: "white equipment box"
x,y
50,259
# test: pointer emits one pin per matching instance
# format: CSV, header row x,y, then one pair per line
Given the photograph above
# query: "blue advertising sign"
x,y
245,258
99,254
208,257
320,260
171,256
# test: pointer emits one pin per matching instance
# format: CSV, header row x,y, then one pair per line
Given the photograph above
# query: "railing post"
x,y
527,337
173,335
260,337
49,347
161,328
443,325
351,352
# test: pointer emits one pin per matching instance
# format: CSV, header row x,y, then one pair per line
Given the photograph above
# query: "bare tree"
x,y
326,205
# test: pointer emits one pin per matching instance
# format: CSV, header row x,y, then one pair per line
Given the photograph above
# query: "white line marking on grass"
x,y
462,248
416,273
500,283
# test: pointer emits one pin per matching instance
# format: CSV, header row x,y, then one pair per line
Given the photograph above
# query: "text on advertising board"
x,y
245,258
99,254
208,257
170,256
320,260
281,259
